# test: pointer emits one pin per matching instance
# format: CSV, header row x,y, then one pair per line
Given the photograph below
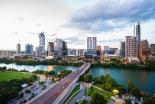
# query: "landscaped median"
x,y
74,92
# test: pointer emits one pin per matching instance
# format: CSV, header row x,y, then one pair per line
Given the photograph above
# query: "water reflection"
x,y
50,68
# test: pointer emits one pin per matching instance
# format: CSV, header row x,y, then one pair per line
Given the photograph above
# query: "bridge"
x,y
58,93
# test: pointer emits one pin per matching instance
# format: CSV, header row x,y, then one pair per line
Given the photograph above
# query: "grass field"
x,y
107,95
6,76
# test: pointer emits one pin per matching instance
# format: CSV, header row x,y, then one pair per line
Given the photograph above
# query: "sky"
x,y
73,21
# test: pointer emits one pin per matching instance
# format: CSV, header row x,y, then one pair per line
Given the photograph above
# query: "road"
x,y
50,96
80,95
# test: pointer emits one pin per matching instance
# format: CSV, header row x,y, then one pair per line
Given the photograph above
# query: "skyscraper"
x,y
50,49
98,50
152,49
122,49
60,48
18,48
130,46
42,42
91,43
29,49
105,50
64,48
138,37
144,50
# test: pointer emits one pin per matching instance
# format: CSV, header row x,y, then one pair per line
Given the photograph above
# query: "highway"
x,y
50,96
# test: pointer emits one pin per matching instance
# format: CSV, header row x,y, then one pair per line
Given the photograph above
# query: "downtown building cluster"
x,y
135,48
132,48
55,49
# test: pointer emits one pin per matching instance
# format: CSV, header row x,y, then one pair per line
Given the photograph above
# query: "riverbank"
x,y
107,88
44,62
149,65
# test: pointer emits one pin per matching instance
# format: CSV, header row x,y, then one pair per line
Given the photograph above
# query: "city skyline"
x,y
22,21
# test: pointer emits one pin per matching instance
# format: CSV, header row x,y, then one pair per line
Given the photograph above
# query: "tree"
x,y
97,80
135,92
128,101
130,85
149,100
83,102
87,78
98,99
46,74
52,73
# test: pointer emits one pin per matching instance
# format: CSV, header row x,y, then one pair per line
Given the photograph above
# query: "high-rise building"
x,y
64,48
138,37
122,49
42,42
112,51
130,47
80,52
91,43
71,52
144,50
152,49
18,48
105,49
98,50
37,52
29,49
50,49
60,48
75,52
91,47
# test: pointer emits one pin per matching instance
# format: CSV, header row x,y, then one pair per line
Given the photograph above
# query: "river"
x,y
145,80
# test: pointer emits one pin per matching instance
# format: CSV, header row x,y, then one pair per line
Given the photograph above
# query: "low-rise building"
x,y
7,53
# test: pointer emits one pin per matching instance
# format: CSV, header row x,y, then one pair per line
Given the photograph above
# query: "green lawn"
x,y
107,95
6,76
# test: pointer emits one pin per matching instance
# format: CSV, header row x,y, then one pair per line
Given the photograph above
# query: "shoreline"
x,y
121,66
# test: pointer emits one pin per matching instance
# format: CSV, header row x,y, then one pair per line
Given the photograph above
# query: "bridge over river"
x,y
58,93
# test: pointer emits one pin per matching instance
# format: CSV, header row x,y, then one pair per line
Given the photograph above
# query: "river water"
x,y
145,80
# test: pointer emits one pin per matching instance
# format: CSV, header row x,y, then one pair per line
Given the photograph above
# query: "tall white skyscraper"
x,y
91,43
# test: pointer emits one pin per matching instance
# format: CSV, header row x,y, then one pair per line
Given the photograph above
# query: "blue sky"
x,y
73,20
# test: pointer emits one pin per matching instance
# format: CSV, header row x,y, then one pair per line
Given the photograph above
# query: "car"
x,y
77,102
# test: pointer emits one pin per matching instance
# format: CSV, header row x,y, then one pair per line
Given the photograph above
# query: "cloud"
x,y
74,40
105,15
